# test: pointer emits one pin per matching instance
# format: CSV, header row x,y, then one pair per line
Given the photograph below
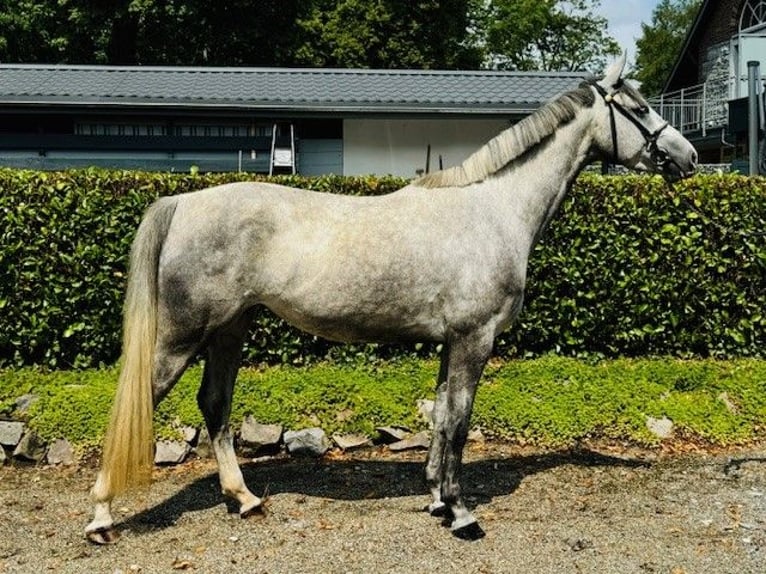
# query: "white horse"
x,y
444,259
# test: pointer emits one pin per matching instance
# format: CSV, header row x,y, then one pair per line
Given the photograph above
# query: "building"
x,y
312,121
705,96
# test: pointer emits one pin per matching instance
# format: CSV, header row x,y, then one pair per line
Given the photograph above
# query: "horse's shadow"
x,y
356,479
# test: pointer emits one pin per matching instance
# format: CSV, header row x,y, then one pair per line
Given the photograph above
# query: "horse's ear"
x,y
614,72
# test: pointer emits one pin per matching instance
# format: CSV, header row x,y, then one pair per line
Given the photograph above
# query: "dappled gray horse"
x,y
444,259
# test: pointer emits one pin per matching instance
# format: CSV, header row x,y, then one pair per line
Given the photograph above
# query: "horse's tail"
x,y
128,446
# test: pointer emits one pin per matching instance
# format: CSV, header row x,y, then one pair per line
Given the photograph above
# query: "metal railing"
x,y
691,109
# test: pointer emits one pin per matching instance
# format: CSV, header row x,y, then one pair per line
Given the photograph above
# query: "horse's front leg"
x,y
461,367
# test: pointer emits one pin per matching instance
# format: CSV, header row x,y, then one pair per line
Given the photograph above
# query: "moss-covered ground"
x,y
551,401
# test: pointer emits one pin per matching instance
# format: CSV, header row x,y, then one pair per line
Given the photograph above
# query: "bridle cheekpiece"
x,y
659,156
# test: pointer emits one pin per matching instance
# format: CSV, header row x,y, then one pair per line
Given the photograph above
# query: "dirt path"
x,y
543,512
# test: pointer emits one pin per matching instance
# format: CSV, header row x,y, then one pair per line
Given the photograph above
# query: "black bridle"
x,y
659,156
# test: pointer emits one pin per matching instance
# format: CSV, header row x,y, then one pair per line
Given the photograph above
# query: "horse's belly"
x,y
362,326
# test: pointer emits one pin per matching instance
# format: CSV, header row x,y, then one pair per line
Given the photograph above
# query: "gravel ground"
x,y
558,512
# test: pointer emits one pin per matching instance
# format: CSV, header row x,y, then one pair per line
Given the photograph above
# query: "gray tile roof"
x,y
284,89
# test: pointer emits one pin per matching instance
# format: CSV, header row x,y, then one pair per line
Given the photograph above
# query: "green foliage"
x,y
389,34
551,401
65,241
547,35
627,269
351,33
558,400
69,404
428,34
661,41
237,32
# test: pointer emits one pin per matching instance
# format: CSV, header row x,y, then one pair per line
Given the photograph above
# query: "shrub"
x,y
625,270
630,268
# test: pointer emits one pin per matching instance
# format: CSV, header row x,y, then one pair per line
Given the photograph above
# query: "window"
x,y
753,16
105,129
211,130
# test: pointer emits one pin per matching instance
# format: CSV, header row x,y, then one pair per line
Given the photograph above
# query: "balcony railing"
x,y
692,109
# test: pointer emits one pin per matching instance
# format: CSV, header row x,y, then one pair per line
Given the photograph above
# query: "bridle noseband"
x,y
659,156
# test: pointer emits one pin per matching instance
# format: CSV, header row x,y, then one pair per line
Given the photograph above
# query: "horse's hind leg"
x,y
170,361
435,460
214,399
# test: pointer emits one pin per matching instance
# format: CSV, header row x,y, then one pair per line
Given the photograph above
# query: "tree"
x,y
547,35
389,34
451,34
28,31
175,32
661,41
347,33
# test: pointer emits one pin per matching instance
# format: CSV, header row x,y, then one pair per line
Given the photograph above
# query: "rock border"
x,y
253,440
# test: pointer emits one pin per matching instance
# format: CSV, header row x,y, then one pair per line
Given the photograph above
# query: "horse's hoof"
x,y
437,509
256,510
103,536
470,531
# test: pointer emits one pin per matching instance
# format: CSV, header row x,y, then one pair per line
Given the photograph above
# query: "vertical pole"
x,y
703,111
682,123
753,122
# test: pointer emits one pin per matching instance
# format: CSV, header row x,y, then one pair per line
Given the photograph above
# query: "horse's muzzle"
x,y
675,169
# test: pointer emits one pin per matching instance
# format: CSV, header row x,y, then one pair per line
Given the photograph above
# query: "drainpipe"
x,y
753,122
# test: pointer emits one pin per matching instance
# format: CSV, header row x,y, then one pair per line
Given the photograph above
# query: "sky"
x,y
625,18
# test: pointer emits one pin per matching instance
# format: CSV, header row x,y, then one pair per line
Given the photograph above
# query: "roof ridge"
x,y
285,70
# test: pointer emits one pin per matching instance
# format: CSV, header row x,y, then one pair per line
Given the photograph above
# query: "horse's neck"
x,y
532,189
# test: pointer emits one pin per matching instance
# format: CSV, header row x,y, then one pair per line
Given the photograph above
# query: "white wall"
x,y
398,147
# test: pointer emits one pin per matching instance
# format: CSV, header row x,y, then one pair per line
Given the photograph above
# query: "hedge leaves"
x,y
628,268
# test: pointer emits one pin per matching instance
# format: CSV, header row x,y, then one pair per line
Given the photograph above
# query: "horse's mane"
x,y
513,142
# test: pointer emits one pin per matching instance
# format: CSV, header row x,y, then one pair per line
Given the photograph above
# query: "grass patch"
x,y
550,401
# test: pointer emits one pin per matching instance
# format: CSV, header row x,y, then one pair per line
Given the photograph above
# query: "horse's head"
x,y
631,133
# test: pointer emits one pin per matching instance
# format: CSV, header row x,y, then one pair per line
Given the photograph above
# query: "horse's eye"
x,y
642,111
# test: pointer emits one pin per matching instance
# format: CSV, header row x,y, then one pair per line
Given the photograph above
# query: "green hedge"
x,y
625,269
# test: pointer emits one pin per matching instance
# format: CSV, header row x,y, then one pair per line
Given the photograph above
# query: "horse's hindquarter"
x,y
410,265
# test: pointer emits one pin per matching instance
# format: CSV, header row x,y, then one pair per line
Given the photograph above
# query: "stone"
x,y
11,433
30,448
426,411
171,452
60,452
188,433
388,435
24,402
204,446
475,435
3,456
351,441
421,440
307,442
661,428
260,438
728,403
